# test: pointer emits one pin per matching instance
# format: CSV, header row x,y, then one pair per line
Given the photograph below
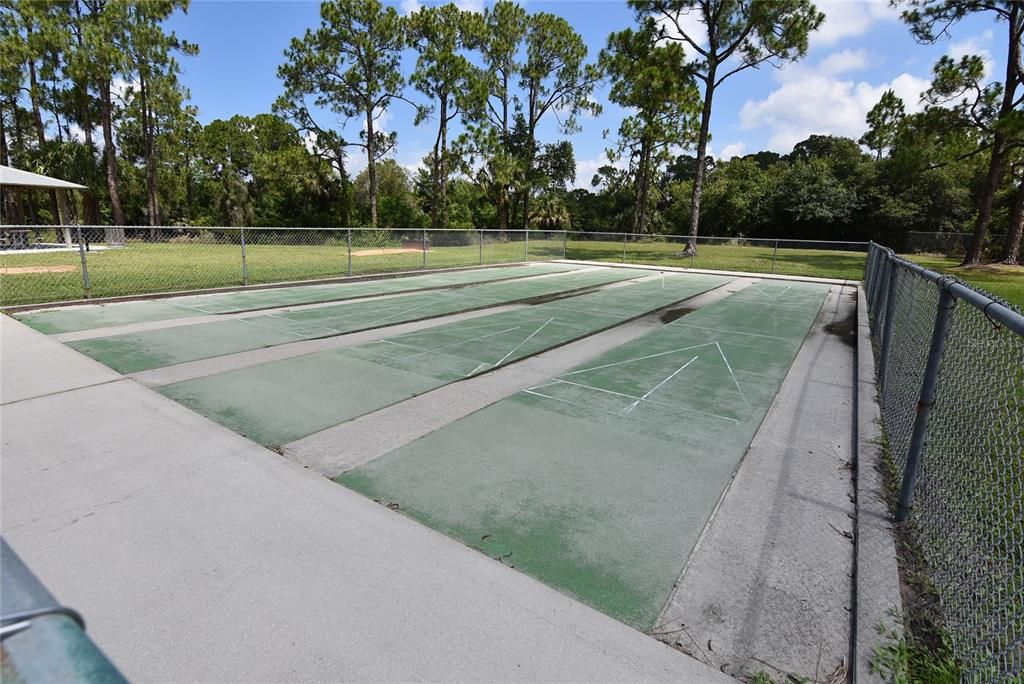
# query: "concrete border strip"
x,y
877,580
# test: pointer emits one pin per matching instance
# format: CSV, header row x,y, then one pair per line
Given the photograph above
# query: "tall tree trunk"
x,y
702,149
996,165
371,168
642,184
1011,246
82,89
37,119
149,140
442,162
110,154
1000,148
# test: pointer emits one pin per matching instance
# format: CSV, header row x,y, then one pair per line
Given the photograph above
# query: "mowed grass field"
x,y
821,263
143,267
1003,281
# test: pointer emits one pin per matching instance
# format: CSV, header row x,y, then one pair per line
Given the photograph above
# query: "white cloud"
x,y
470,5
586,168
407,7
735,149
975,45
814,102
849,18
844,62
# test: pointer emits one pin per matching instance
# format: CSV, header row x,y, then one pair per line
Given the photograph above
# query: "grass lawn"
x,y
1003,281
145,267
726,257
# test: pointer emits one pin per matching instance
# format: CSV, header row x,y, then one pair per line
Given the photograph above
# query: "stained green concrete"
x,y
279,402
88,317
599,482
133,352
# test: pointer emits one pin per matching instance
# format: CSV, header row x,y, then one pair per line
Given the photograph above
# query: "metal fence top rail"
x,y
620,234
995,311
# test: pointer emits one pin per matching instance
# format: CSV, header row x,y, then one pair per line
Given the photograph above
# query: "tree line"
x,y
90,91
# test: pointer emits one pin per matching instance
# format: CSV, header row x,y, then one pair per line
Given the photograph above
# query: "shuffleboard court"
x,y
282,401
598,482
134,352
88,317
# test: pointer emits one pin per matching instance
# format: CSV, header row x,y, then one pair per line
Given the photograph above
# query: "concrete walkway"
x,y
196,555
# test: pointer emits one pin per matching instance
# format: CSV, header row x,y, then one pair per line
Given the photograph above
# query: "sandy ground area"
x,y
17,270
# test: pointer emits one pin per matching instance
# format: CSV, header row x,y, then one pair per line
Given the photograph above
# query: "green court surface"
x,y
71,319
133,352
279,402
599,482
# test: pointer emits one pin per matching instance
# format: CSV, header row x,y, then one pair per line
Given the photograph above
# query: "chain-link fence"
x,y
824,259
948,244
951,381
55,263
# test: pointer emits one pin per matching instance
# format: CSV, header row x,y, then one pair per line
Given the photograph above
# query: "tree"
x,y
498,41
994,108
883,121
553,78
153,98
449,79
650,79
747,32
351,66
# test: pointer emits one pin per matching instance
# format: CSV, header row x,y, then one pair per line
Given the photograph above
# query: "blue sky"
x,y
861,50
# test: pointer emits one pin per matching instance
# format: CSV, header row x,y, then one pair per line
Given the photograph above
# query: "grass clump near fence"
x,y
999,279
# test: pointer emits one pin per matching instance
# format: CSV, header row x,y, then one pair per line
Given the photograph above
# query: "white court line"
x,y
631,396
378,320
295,322
733,375
655,388
283,330
505,357
619,414
456,344
639,358
572,403
434,330
733,332
775,296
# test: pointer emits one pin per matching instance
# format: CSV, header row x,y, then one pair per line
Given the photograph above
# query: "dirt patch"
x,y
670,315
19,270
385,251
846,329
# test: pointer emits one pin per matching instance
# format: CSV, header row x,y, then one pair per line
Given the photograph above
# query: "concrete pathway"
x,y
196,555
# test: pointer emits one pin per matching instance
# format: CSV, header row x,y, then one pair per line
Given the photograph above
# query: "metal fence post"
x,y
876,281
924,405
245,265
86,285
349,239
565,239
424,249
775,253
526,249
480,235
624,236
890,309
